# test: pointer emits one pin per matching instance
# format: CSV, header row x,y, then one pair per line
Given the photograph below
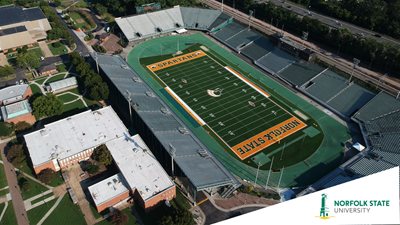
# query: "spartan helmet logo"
x,y
215,93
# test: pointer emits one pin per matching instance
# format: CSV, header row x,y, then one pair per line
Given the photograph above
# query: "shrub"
x,y
46,176
22,126
6,129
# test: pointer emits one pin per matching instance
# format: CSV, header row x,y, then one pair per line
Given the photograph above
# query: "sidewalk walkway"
x,y
18,203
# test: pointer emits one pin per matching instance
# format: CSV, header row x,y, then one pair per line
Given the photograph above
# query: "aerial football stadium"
x,y
214,75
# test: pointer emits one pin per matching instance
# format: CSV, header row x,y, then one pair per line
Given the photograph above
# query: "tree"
x,y
47,175
102,155
92,168
23,183
6,129
28,59
21,126
6,70
118,217
46,106
16,154
98,91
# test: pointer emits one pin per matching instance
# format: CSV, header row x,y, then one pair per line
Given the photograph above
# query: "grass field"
x,y
305,155
9,216
55,78
33,189
73,106
66,97
241,115
35,89
37,213
3,180
66,213
57,50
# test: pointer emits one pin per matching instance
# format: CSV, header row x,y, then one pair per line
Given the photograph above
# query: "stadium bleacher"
x,y
219,21
351,99
275,61
367,166
300,72
242,39
382,103
228,31
199,19
258,48
325,85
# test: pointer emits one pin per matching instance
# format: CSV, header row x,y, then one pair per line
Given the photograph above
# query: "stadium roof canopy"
x,y
72,135
12,93
139,166
203,170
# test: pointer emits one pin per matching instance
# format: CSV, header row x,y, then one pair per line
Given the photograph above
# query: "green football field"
x,y
239,113
296,160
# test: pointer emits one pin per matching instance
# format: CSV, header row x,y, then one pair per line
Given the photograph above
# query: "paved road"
x,y
332,22
372,77
80,47
17,200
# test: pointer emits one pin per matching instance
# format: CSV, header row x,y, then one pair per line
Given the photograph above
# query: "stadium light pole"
x,y
250,15
398,94
258,169
172,150
284,145
280,177
222,5
269,173
130,106
355,64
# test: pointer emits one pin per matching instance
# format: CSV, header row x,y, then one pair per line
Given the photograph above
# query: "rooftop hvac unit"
x,y
150,94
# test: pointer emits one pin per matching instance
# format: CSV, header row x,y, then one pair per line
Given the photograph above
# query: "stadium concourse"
x,y
278,57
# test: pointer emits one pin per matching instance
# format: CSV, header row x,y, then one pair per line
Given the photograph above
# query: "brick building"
x,y
20,27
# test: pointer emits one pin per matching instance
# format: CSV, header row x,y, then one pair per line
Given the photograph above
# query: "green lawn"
x,y
35,89
40,80
61,50
56,78
79,20
75,91
58,180
66,97
38,52
74,105
42,198
3,180
36,214
63,67
66,213
33,189
9,217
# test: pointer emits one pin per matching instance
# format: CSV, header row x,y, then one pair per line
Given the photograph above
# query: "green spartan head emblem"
x,y
324,210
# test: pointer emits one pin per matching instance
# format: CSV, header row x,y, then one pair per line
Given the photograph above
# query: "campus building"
x,y
73,139
141,177
20,27
14,105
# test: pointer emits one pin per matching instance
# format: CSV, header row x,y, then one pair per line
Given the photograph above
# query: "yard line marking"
x,y
185,106
247,81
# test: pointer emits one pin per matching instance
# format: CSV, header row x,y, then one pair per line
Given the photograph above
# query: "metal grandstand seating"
x,y
275,61
242,38
364,166
163,21
325,85
350,99
221,19
197,18
229,30
176,16
381,104
258,48
300,72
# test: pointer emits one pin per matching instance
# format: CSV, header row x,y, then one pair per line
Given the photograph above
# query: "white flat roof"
x,y
74,134
138,165
108,189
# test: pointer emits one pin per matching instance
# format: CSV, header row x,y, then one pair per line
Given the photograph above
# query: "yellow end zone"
x,y
268,137
176,60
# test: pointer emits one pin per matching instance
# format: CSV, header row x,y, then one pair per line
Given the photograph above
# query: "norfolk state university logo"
x,y
323,213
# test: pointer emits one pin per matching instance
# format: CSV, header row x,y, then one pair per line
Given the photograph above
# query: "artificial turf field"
x,y
239,112
303,156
